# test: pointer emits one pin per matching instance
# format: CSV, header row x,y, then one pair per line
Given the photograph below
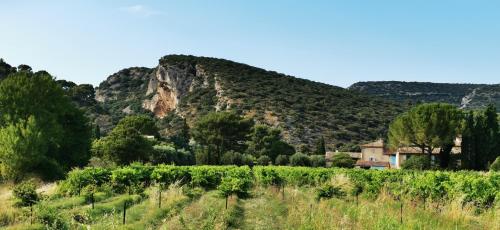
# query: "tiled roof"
x,y
373,163
416,150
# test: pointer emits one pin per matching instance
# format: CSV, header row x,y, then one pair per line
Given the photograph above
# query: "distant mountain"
x,y
187,87
467,96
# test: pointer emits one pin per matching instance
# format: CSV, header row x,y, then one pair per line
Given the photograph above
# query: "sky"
x,y
334,42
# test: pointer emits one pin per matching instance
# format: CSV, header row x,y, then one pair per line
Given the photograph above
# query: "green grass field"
x,y
265,208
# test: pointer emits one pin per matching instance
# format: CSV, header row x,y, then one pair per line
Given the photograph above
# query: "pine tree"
x,y
320,147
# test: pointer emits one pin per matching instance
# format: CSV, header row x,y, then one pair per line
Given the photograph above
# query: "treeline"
x,y
218,138
434,128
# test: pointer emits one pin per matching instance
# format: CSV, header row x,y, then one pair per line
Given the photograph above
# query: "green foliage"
x,y
51,218
168,154
77,179
343,160
233,158
39,122
427,126
266,141
495,167
320,146
126,142
328,191
480,139
218,133
25,193
143,124
263,160
281,160
237,181
300,159
417,163
318,160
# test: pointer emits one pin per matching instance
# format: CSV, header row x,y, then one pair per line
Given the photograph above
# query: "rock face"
x,y
168,87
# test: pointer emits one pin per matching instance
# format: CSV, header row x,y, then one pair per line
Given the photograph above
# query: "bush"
x,y
263,160
248,159
495,167
232,158
300,159
50,218
281,160
417,162
329,191
342,160
25,193
318,161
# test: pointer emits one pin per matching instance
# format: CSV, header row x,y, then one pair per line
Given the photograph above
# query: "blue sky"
x,y
335,42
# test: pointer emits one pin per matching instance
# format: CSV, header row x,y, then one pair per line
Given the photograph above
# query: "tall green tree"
x,y
480,139
66,133
127,143
427,126
267,141
219,132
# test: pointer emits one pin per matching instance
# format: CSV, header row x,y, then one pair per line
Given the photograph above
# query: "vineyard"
x,y
263,197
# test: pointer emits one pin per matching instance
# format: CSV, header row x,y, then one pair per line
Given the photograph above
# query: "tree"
x,y
22,148
143,124
342,160
427,126
480,139
318,160
320,146
267,141
36,102
417,162
300,159
495,166
281,160
263,160
220,132
126,142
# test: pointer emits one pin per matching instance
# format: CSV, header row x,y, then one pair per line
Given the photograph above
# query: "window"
x,y
372,158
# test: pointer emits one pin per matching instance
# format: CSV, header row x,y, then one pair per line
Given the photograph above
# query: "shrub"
x,y
232,158
300,159
50,218
342,160
263,160
417,162
318,161
495,167
281,160
25,193
248,159
328,191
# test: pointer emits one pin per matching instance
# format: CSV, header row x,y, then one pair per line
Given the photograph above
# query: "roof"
x,y
373,163
329,155
376,144
416,150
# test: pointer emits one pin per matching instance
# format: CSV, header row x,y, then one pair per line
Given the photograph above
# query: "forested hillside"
x,y
183,88
186,87
468,96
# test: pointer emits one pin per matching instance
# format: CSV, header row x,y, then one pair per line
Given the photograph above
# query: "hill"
x,y
186,87
468,96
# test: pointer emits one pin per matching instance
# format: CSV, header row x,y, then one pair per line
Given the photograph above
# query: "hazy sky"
x,y
335,42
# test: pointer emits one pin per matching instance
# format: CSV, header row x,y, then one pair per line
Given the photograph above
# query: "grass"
x,y
266,208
